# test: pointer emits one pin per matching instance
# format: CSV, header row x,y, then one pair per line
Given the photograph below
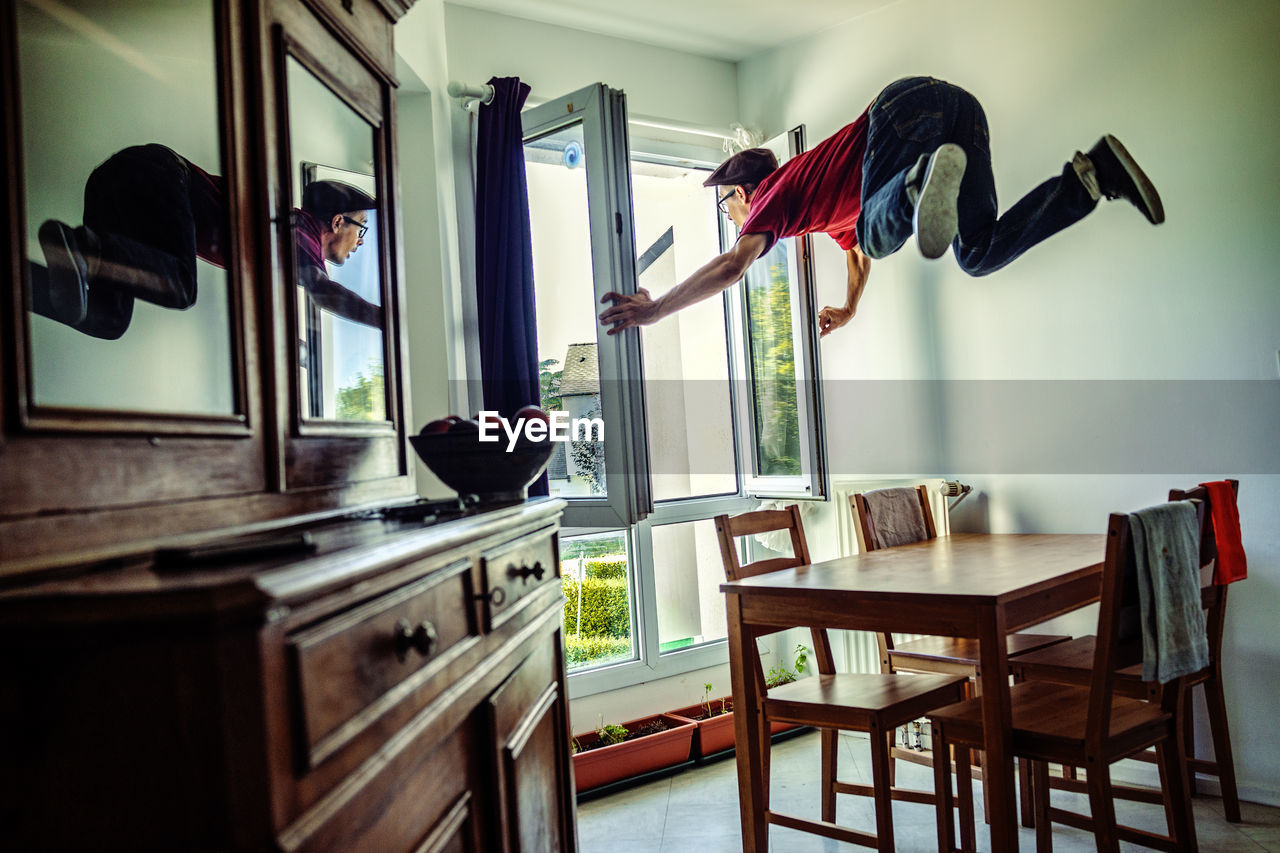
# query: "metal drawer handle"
x,y
495,596
524,572
421,638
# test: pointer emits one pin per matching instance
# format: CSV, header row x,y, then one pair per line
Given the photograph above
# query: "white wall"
x,y
1190,89
432,271
555,61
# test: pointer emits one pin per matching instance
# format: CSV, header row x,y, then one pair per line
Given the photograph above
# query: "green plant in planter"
x,y
781,675
611,734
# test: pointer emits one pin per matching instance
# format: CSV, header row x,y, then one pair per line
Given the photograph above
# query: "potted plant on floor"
x,y
612,753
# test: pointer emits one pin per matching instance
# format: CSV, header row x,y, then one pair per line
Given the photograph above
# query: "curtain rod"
x,y
482,93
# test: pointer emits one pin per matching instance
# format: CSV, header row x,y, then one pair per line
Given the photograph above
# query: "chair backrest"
x,y
868,524
1112,652
864,522
728,529
1213,597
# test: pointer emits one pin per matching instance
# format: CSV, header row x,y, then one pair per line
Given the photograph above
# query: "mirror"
x,y
126,215
339,300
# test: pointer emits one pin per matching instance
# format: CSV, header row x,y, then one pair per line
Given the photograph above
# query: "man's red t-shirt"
x,y
818,190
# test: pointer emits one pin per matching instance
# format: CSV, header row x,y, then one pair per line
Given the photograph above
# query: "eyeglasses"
x,y
720,202
357,223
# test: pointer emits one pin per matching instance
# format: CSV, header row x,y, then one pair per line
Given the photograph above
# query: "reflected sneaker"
x,y
68,279
1109,170
936,218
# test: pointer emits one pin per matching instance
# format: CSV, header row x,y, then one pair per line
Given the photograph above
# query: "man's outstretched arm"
x,y
723,270
829,318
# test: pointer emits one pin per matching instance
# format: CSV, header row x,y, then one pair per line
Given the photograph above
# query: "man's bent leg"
x,y
906,124
986,246
138,205
986,242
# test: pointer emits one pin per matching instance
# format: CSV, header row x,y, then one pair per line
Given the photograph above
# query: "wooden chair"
x,y
1070,663
875,703
950,655
1084,726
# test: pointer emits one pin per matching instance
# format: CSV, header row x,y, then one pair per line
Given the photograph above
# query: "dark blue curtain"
x,y
504,258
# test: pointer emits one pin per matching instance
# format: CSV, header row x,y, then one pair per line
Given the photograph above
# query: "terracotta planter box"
x,y
633,757
716,734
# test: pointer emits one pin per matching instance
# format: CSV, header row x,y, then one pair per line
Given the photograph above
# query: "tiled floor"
x,y
697,811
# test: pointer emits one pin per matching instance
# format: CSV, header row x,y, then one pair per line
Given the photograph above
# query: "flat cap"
x,y
748,167
327,198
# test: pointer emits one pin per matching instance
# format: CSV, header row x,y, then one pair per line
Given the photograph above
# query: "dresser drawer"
x,y
421,799
353,667
512,572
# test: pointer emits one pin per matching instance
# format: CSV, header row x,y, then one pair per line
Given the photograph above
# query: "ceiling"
x,y
724,29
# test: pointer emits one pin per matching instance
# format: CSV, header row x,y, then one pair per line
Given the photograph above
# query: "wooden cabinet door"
x,y
530,735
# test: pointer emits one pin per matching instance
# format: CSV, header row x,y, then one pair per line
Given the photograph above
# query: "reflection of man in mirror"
x,y
330,226
149,213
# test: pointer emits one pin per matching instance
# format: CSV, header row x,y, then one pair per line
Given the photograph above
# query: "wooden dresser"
x,y
401,688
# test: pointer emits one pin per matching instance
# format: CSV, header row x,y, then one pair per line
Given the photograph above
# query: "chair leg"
x,y
766,748
1103,808
830,753
1040,796
893,762
942,790
964,787
1177,795
1222,755
1024,793
883,789
1189,734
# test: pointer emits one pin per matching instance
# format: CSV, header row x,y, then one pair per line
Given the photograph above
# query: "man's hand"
x,y
830,319
628,310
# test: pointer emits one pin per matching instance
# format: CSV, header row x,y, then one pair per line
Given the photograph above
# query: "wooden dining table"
x,y
976,585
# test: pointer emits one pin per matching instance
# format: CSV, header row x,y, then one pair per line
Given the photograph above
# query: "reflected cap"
x,y
325,199
748,167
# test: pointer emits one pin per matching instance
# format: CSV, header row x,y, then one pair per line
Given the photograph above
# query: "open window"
x,y
701,411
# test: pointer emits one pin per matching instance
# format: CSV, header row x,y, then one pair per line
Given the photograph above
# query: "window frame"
x,y
813,483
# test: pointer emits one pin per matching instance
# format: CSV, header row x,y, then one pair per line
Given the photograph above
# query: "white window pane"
x,y
772,364
686,360
596,580
564,288
688,571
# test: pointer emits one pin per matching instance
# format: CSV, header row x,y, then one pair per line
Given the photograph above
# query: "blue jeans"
x,y
910,119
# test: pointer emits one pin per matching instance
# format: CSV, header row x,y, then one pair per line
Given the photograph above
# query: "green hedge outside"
x,y
609,568
605,609
585,650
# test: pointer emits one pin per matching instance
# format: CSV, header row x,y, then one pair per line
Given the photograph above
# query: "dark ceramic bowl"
x,y
485,469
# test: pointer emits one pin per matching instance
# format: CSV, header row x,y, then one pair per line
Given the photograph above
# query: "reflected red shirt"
x,y
817,190
209,208
306,235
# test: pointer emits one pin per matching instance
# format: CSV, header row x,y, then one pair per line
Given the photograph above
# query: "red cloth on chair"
x,y
1231,565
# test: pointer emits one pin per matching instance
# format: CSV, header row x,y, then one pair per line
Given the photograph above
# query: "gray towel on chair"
x,y
896,518
1166,550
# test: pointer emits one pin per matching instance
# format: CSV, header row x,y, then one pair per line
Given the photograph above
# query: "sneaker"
x,y
1116,174
68,279
936,219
